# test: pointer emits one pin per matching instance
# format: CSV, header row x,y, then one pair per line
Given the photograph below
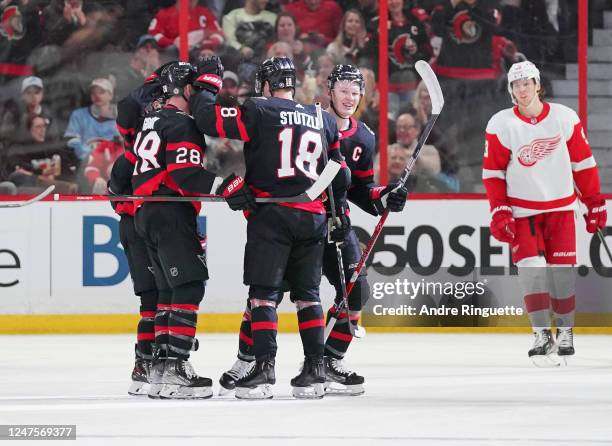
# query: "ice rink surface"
x,y
422,389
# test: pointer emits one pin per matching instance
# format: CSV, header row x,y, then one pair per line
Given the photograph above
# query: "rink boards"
x,y
62,268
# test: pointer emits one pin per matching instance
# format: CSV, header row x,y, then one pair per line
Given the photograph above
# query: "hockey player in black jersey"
x,y
131,110
284,249
357,145
170,154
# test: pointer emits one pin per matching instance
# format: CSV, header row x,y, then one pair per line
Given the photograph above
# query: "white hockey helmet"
x,y
522,70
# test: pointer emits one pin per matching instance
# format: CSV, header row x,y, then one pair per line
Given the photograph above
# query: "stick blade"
x,y
433,86
324,180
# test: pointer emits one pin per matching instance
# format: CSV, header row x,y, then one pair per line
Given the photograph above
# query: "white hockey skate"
x,y
156,373
565,344
239,370
544,350
180,381
341,381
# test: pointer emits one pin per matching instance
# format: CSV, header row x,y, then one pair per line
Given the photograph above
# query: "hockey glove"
x,y
337,232
392,197
210,74
237,194
503,227
598,215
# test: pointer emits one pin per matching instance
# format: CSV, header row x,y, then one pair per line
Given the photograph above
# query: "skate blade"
x,y
261,392
138,388
334,388
313,392
565,359
546,361
178,392
360,332
154,390
224,392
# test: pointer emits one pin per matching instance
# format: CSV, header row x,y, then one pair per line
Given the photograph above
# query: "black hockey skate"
x,y
140,377
309,384
339,380
180,381
239,370
565,343
257,384
543,352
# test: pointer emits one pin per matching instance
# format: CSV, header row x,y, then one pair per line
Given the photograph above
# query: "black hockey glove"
x,y
237,194
391,197
210,74
337,232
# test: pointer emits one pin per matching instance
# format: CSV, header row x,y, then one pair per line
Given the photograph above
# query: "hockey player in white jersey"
x,y
536,159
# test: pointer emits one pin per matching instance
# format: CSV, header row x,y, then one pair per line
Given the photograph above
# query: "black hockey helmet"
x,y
175,76
279,72
346,73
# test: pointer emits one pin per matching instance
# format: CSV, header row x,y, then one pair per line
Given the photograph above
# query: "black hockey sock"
x,y
311,323
146,325
161,319
340,337
245,338
264,325
183,318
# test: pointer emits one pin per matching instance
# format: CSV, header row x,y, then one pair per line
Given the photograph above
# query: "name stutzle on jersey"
x,y
531,164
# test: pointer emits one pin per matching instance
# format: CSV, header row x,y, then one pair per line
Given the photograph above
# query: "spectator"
x,y
204,30
32,95
9,121
425,175
36,162
143,62
351,39
317,19
368,111
280,49
20,33
287,31
408,43
249,29
63,17
101,160
466,72
368,9
87,125
398,158
230,84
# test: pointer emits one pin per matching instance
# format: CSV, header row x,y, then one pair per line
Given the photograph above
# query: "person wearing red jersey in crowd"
x,y
466,71
317,19
408,42
204,30
537,164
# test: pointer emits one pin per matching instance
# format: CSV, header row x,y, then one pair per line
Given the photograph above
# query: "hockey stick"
x,y
37,198
317,188
600,234
332,205
437,102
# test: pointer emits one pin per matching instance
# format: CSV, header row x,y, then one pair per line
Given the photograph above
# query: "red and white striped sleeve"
x,y
495,164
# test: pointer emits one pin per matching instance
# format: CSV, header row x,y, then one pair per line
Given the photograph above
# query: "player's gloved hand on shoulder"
x,y
237,194
210,74
503,226
598,215
392,197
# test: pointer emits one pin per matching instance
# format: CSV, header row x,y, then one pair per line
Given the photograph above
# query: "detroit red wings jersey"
x,y
531,164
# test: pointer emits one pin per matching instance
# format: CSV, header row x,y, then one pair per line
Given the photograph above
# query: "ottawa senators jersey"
x,y
532,164
170,156
282,143
357,145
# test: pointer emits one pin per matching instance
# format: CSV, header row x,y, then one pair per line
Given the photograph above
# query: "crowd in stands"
x,y
64,64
